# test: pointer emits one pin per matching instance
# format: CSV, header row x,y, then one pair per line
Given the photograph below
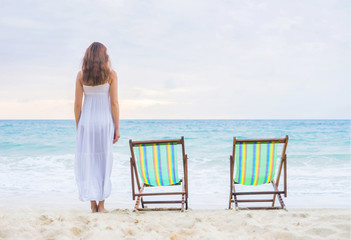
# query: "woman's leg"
x,y
101,207
94,206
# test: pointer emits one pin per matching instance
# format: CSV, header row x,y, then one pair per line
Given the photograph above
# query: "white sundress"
x,y
93,162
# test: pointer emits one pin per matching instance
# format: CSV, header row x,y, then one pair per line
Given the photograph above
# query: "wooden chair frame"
x,y
233,197
140,185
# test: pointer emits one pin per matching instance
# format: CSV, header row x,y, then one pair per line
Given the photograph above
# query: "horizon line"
x,y
181,119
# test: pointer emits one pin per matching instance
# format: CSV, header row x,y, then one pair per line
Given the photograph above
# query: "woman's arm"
x,y
114,104
78,98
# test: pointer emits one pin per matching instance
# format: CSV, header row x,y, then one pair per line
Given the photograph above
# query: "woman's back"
x,y
95,127
96,103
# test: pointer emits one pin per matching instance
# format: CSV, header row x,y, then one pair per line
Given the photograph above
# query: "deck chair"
x,y
155,163
254,163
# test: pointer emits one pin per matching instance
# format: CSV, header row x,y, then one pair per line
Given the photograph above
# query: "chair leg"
x,y
139,199
137,203
278,195
142,203
183,189
235,199
231,161
230,197
182,203
281,201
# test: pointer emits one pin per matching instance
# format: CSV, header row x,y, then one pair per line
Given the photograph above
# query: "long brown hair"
x,y
96,66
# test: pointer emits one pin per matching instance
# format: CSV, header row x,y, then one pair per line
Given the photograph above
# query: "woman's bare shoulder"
x,y
113,76
79,77
79,74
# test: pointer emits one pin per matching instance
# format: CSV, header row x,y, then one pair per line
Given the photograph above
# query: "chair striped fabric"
x,y
157,163
154,163
255,163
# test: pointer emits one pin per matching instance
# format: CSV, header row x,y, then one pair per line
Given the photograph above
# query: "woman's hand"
x,y
116,136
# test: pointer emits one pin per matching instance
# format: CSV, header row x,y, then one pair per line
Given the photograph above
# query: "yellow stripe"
x,y
156,164
169,158
243,170
271,155
143,169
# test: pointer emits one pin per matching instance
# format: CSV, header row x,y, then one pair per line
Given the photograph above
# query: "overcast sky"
x,y
180,59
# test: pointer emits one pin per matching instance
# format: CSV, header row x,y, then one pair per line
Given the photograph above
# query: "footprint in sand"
x,y
76,231
323,232
45,219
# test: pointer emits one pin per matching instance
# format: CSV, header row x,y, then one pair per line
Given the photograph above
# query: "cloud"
x,y
183,59
166,92
37,109
144,102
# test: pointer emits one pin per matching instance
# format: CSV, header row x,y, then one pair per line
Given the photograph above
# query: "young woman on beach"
x,y
97,124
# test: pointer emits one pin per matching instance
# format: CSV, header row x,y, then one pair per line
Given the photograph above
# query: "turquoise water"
x,y
36,159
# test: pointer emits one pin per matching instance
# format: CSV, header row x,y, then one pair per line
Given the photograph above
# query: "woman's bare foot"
x,y
101,207
94,206
102,210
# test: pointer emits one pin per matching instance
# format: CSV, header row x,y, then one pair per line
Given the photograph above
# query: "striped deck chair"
x,y
155,163
254,162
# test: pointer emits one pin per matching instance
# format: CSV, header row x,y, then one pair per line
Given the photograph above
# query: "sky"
x,y
220,59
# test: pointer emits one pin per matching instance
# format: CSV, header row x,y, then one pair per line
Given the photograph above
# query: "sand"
x,y
25,223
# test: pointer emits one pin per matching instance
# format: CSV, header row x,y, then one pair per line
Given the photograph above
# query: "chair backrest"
x,y
256,160
157,162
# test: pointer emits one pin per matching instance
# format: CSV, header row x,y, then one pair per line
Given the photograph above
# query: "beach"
x,y
37,223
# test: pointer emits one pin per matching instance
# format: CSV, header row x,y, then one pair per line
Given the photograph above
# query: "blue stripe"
x,y
159,160
173,163
254,164
240,156
267,165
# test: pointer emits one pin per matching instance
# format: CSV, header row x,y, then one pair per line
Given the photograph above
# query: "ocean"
x,y
37,159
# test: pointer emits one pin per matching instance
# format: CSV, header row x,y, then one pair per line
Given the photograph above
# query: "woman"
x,y
97,126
